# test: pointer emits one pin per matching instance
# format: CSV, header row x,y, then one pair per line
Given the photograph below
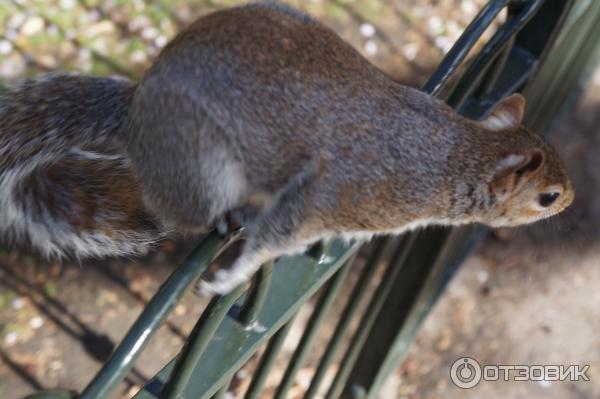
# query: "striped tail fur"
x,y
67,188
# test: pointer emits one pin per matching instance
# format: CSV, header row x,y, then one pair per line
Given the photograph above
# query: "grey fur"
x,y
341,147
261,112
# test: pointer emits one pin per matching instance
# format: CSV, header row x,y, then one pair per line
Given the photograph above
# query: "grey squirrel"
x,y
261,114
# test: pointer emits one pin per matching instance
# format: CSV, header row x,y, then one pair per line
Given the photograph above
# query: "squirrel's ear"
x,y
507,114
515,169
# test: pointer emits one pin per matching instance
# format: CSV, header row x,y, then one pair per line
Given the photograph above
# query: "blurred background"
x,y
525,296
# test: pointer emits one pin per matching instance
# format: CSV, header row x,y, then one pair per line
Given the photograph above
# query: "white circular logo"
x,y
465,372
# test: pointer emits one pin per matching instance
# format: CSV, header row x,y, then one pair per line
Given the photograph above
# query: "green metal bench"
x,y
542,50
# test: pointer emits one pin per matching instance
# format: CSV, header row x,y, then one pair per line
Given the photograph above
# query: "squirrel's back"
x,y
267,89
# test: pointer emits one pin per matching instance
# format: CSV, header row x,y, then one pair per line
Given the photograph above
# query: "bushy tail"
x,y
66,185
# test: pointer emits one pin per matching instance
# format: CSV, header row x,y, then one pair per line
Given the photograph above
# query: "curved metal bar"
x,y
360,337
463,45
489,81
197,342
146,325
221,392
320,311
267,361
358,294
491,50
255,298
365,324
52,394
294,282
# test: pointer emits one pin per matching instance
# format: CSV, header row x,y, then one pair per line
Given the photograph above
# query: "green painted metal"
x,y
566,68
489,81
52,394
528,49
463,45
267,361
310,333
395,267
428,267
479,66
222,391
197,342
358,295
257,294
294,281
121,361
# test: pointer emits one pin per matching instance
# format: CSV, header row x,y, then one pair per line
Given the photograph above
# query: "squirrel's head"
x,y
525,180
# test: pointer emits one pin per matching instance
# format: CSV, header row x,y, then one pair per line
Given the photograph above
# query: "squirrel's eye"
x,y
547,199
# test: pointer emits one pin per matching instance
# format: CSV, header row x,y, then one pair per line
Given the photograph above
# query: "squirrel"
x,y
260,114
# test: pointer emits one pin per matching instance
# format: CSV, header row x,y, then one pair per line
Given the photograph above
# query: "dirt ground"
x,y
525,296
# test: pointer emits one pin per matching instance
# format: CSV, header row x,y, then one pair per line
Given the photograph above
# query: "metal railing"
x,y
418,265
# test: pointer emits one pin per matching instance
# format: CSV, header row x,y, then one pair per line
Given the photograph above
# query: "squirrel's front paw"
x,y
222,283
